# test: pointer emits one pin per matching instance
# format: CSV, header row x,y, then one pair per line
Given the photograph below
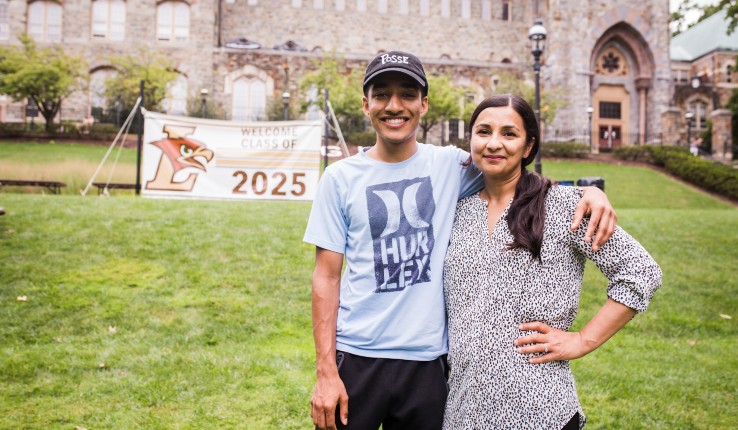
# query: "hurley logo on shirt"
x,y
400,215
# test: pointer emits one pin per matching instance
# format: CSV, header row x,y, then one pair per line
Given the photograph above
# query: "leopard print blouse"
x,y
491,290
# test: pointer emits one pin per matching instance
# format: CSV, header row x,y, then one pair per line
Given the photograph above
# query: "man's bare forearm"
x,y
326,286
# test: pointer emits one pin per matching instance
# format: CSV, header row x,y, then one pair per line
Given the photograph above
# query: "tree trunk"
x,y
49,109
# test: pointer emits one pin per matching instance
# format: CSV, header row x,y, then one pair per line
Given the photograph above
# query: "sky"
x,y
691,16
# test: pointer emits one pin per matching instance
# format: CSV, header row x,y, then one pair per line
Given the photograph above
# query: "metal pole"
x,y
589,132
537,70
139,142
204,107
326,130
286,92
689,132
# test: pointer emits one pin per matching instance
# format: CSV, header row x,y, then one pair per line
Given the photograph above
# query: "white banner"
x,y
200,158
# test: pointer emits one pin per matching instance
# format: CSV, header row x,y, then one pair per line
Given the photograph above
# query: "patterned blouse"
x,y
491,290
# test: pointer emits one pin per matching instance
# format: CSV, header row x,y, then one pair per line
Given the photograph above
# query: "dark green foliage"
x,y
564,150
361,138
706,137
733,107
43,76
154,69
707,174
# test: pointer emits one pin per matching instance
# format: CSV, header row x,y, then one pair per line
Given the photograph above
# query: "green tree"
x,y
678,22
344,91
731,7
733,107
446,100
552,99
151,67
44,76
213,109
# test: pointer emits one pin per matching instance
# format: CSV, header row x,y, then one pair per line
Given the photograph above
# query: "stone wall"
x,y
473,45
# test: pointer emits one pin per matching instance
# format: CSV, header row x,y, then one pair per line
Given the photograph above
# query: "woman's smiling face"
x,y
499,142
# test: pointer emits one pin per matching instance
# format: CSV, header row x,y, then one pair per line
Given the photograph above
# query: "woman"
x,y
513,277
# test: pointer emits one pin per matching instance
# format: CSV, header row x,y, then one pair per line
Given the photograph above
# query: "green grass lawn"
x,y
162,314
73,164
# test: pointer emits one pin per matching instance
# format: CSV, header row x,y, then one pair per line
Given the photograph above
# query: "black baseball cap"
x,y
396,61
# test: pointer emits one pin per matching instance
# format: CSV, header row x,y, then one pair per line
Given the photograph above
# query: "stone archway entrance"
x,y
621,76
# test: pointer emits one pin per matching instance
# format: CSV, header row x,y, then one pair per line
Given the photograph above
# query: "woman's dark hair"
x,y
527,212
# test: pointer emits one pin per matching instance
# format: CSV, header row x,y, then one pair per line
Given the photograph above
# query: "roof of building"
x,y
704,37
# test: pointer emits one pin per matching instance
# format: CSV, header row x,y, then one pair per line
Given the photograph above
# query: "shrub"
x,y
710,175
564,150
361,138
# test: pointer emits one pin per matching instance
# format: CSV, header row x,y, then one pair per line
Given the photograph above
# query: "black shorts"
x,y
398,394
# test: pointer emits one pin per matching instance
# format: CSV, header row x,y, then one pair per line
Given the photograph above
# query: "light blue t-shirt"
x,y
392,222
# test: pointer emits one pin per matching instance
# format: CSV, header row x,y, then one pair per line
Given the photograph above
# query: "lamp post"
x,y
697,81
286,102
688,116
118,105
590,109
537,35
204,95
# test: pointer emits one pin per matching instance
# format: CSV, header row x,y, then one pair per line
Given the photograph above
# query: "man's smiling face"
x,y
395,104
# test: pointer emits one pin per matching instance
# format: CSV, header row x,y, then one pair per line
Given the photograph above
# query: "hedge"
x,y
564,150
710,175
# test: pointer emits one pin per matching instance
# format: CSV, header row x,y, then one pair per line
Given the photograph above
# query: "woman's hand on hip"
x,y
552,343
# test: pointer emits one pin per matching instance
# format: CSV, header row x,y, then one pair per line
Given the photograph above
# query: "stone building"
x,y
703,62
610,56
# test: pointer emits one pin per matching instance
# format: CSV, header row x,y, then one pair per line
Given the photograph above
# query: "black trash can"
x,y
592,181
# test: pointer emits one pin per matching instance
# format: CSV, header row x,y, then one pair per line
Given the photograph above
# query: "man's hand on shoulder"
x,y
329,392
602,217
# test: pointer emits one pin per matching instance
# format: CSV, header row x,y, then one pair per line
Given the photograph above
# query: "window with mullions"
x,y
45,21
108,19
610,110
4,25
506,13
699,109
173,21
249,99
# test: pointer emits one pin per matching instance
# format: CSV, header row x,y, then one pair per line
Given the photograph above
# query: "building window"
x,y
610,110
729,74
173,21
340,4
404,7
455,130
382,6
361,5
317,4
699,109
445,8
249,100
424,7
4,26
99,108
108,19
466,9
45,21
506,12
176,101
612,62
486,10
297,3
97,87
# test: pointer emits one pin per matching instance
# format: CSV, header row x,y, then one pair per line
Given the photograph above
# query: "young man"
x,y
380,329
